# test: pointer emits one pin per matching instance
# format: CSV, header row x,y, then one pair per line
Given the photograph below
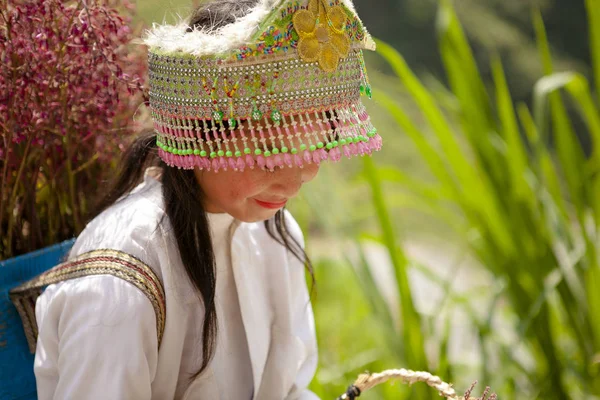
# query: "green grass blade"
x,y
476,115
485,205
593,13
411,321
567,145
516,152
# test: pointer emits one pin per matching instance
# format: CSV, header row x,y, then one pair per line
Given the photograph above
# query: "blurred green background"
x,y
467,246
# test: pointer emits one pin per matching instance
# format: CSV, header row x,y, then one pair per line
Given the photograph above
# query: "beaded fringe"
x,y
311,137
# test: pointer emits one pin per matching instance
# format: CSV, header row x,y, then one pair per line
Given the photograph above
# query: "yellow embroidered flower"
x,y
322,36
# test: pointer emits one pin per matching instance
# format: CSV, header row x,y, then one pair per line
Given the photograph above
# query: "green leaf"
x,y
516,152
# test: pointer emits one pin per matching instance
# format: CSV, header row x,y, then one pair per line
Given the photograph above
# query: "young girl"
x,y
248,98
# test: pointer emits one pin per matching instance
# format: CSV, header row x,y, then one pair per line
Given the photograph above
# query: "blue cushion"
x,y
17,380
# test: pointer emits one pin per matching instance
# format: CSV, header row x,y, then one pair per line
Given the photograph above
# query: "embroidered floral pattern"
x,y
322,34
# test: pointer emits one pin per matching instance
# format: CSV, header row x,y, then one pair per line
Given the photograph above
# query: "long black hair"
x,y
183,197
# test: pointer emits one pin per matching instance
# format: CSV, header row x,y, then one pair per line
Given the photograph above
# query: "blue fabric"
x,y
17,380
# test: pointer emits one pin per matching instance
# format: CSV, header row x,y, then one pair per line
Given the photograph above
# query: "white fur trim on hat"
x,y
203,42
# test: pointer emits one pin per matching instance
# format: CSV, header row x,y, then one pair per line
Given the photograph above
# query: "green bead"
x,y
320,145
217,115
329,146
275,151
232,123
239,153
213,154
371,134
256,114
362,89
369,91
258,152
284,150
247,150
312,147
221,153
203,153
302,147
170,149
267,153
335,143
228,153
275,116
190,152
294,150
196,152
343,142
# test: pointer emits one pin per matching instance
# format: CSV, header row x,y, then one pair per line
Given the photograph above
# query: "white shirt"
x,y
97,335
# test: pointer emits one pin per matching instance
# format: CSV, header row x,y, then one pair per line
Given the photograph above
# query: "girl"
x,y
247,98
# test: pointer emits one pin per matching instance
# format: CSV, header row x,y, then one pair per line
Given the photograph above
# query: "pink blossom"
x,y
65,79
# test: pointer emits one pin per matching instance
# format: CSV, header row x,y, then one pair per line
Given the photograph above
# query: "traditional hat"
x,y
281,86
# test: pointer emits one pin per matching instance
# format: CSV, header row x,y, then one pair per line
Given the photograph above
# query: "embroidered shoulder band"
x,y
97,262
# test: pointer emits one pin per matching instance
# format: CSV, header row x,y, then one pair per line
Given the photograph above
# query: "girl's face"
x,y
243,194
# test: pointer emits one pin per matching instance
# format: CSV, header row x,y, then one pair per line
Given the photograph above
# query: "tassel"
x,y
316,157
232,164
270,163
347,152
215,164
241,165
298,160
260,161
307,156
278,160
288,160
223,163
249,161
323,154
334,154
205,164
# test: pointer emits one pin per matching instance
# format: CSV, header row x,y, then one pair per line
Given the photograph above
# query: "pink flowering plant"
x,y
70,84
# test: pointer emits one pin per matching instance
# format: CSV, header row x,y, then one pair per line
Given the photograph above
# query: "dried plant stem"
x,y
13,197
406,376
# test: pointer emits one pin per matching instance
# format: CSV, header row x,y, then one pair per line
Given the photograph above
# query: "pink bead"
x,y
353,149
316,157
270,163
204,163
323,154
278,160
232,163
241,165
347,152
334,154
307,157
288,160
249,161
298,160
223,163
215,164
379,141
260,161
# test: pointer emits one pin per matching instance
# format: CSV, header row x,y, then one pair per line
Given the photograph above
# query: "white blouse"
x,y
97,335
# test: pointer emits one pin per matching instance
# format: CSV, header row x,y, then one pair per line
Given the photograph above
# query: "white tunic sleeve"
x,y
97,340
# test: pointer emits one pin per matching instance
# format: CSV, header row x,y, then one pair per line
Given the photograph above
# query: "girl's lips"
x,y
270,205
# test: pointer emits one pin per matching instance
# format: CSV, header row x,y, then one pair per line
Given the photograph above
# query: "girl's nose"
x,y
291,179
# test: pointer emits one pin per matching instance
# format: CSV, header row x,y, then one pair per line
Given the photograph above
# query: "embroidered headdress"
x,y
279,86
